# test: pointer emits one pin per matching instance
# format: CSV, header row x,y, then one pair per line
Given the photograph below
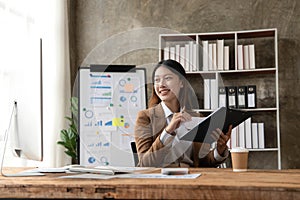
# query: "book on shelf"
x,y
254,132
242,140
234,137
195,61
205,56
187,57
226,58
206,91
222,96
210,57
172,53
240,57
191,56
248,133
177,53
213,94
231,97
246,57
200,57
182,57
220,56
214,57
241,97
251,96
166,53
236,96
251,56
261,135
228,96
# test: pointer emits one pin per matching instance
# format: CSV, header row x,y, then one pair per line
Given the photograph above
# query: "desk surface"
x,y
212,184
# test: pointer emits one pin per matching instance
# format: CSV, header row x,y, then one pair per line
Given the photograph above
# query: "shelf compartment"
x,y
256,33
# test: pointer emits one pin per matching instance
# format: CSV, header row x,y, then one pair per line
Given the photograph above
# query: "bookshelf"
x,y
259,68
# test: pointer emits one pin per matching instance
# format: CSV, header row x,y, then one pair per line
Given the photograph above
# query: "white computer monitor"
x,y
28,116
25,132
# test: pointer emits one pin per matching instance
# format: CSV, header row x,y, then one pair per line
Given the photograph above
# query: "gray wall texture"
x,y
111,24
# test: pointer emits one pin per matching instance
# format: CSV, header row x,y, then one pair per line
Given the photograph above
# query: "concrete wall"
x,y
99,29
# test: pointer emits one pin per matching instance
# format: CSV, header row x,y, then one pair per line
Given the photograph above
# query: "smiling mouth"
x,y
164,91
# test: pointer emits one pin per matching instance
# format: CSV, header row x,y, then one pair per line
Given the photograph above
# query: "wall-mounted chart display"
x,y
109,99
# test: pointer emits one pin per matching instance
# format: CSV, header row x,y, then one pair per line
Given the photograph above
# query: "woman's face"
x,y
167,84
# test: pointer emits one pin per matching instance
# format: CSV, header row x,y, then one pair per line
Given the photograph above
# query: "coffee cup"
x,y
239,158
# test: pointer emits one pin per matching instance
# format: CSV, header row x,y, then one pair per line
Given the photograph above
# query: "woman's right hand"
x,y
176,121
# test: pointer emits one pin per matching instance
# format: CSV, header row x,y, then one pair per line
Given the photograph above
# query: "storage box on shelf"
x,y
240,59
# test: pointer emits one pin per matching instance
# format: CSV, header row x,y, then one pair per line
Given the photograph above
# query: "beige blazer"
x,y
151,151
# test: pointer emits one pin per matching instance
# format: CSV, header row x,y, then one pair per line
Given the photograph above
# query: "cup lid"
x,y
239,149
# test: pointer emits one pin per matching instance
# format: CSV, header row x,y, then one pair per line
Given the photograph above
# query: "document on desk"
x,y
136,176
109,170
48,170
162,176
90,176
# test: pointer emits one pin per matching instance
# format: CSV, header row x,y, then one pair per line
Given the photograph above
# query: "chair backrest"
x,y
134,152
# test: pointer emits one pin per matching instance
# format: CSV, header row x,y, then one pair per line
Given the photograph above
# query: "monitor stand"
x,y
19,174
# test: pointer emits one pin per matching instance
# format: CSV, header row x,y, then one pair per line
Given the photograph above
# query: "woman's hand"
x,y
176,120
222,141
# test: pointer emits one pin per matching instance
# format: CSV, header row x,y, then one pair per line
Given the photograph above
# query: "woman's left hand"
x,y
223,139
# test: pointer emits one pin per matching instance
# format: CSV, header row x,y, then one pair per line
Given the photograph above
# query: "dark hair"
x,y
185,92
172,65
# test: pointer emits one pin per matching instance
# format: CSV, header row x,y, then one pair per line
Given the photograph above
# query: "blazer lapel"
x,y
159,120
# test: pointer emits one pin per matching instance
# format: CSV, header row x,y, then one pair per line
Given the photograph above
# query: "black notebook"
x,y
222,118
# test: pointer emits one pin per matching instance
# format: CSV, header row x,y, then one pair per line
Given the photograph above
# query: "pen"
x,y
175,173
182,109
186,116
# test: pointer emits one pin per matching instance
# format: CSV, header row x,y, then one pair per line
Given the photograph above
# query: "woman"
x,y
157,127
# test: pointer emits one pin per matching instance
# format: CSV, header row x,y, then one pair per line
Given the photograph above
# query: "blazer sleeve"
x,y
204,156
151,151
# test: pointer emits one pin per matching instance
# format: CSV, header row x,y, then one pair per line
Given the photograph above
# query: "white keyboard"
x,y
82,169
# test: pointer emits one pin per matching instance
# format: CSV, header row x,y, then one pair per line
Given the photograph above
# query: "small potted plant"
x,y
69,136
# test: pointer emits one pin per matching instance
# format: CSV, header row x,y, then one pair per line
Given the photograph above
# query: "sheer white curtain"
x,y
20,22
57,78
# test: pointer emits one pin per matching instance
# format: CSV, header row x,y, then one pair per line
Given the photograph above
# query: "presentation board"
x,y
109,99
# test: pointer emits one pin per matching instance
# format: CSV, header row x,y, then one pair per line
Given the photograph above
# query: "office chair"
x,y
134,152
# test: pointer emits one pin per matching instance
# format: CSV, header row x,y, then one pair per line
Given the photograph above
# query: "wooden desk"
x,y
212,184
